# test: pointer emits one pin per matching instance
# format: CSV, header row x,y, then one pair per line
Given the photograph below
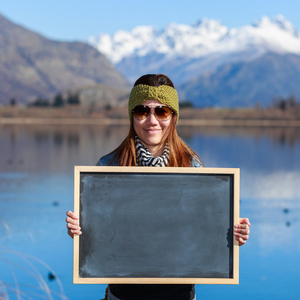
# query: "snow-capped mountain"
x,y
187,53
197,48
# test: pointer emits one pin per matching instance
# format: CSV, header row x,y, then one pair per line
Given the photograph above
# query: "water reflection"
x,y
36,188
60,147
279,135
57,148
280,185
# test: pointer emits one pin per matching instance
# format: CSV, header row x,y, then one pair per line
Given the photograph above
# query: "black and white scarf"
x,y
145,158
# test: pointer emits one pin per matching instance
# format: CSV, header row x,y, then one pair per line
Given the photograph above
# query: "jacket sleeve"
x,y
107,160
197,164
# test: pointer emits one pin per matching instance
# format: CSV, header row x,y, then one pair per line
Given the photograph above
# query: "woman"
x,y
153,109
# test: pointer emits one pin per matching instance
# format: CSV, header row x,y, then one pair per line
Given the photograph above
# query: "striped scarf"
x,y
145,158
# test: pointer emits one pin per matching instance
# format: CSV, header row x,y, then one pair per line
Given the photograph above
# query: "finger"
x,y
242,236
241,241
245,221
72,215
243,228
239,234
78,232
73,226
71,233
72,221
242,233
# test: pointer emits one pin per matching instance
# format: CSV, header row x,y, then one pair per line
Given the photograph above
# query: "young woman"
x,y
153,110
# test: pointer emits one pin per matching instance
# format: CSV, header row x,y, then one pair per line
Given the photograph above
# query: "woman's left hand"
x,y
242,231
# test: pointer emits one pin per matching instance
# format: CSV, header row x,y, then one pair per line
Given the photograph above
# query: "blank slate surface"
x,y
155,225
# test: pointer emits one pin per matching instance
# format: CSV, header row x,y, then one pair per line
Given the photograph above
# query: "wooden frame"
x,y
87,184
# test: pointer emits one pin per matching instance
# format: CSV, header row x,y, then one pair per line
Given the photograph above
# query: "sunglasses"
x,y
141,112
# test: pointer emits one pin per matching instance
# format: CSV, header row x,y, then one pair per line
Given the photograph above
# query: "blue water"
x,y
36,189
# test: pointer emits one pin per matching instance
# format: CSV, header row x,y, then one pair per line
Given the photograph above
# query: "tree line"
x,y
285,103
58,101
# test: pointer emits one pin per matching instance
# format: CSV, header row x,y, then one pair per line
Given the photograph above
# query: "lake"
x,y
36,190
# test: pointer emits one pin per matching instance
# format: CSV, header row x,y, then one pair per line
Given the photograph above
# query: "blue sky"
x,y
79,19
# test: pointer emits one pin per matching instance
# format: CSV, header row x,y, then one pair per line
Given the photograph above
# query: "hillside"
x,y
246,84
33,66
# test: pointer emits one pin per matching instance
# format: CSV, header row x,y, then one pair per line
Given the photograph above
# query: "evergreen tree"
x,y
12,101
58,101
73,99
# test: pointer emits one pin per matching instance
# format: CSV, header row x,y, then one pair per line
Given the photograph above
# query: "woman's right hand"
x,y
73,224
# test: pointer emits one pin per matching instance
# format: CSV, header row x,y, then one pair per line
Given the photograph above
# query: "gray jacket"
x,y
105,161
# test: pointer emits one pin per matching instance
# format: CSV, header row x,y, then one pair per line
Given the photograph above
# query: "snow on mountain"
x,y
173,41
187,51
270,35
123,43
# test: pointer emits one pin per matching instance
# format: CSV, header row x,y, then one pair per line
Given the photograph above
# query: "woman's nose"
x,y
152,117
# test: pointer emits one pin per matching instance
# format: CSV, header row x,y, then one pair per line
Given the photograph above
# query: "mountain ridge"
x,y
245,84
203,38
33,66
209,63
201,52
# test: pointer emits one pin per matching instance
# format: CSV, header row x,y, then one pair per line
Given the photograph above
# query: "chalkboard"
x,y
156,225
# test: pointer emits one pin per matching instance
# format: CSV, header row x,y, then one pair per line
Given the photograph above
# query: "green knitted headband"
x,y
163,93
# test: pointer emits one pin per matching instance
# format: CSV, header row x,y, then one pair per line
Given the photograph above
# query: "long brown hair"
x,y
181,155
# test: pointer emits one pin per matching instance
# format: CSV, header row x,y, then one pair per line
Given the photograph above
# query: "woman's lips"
x,y
151,131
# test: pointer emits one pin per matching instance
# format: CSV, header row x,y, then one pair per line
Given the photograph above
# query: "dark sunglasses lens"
x,y
141,112
163,112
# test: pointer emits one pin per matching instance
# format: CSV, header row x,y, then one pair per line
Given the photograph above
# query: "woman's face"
x,y
151,130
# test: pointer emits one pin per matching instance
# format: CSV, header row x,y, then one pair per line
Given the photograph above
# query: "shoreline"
x,y
182,122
